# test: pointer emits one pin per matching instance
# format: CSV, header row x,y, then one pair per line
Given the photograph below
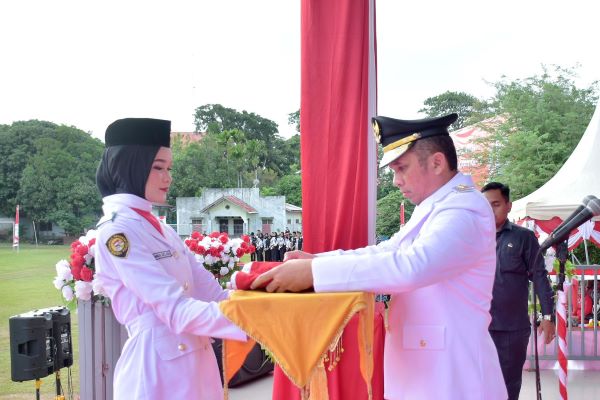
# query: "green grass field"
x,y
26,284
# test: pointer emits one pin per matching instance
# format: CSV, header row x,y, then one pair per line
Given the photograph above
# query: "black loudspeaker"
x,y
40,343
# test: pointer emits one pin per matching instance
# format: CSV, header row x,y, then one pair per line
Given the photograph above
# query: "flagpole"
x,y
16,231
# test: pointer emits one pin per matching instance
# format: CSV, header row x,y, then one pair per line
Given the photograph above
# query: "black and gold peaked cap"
x,y
139,131
395,135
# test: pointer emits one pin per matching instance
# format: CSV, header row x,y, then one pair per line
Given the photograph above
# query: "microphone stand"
x,y
561,256
538,384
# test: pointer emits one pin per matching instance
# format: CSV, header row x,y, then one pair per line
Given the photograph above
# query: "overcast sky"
x,y
86,63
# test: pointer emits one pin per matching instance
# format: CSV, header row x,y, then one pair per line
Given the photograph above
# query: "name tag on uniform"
x,y
162,254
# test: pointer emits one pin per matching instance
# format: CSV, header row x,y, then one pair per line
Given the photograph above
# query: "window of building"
x,y
238,227
198,225
297,221
224,225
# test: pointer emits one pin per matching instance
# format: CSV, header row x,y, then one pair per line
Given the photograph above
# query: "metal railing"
x,y
582,333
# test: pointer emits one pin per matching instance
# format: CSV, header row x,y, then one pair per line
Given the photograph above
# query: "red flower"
x,y
76,271
215,235
83,250
193,245
77,260
252,249
246,238
196,235
75,244
224,238
214,251
240,252
86,274
200,250
92,242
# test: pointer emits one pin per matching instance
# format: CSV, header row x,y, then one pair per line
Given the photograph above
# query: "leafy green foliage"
x,y
544,118
469,108
289,186
50,171
215,119
388,213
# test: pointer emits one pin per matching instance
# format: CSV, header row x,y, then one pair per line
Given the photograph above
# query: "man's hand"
x,y
549,330
291,276
297,255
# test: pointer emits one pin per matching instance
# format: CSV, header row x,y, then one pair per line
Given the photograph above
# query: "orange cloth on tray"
x,y
299,328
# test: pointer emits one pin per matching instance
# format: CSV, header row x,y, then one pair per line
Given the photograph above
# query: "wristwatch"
x,y
547,317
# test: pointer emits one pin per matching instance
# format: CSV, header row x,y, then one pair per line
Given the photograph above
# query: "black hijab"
x,y
125,169
131,146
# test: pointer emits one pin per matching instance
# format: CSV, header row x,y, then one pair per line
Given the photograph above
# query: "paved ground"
x,y
582,385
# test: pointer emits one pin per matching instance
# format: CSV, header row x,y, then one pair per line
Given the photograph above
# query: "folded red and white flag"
x,y
241,280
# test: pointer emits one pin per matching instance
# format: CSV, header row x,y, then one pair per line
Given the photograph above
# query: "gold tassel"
x,y
224,366
318,384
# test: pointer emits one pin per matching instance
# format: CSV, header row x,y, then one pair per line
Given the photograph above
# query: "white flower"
x,y
92,251
83,290
88,259
85,240
67,292
231,263
209,260
97,287
63,270
58,282
225,258
224,271
199,258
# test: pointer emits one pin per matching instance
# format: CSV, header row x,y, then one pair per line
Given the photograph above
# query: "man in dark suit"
x,y
517,262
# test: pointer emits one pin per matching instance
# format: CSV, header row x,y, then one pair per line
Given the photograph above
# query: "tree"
x,y
58,183
17,146
215,118
388,213
294,119
290,186
469,108
544,118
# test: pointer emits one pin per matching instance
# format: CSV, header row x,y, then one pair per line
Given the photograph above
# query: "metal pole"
x,y
34,233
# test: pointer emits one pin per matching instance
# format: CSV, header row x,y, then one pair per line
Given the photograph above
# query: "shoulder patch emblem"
x,y
118,245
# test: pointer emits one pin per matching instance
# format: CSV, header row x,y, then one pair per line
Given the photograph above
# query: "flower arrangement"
x,y
75,278
219,253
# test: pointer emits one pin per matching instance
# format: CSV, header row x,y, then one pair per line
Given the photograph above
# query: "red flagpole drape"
x,y
334,120
338,161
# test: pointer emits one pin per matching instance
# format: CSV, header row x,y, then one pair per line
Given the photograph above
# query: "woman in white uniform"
x,y
165,298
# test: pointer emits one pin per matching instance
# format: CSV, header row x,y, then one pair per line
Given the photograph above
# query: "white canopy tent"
x,y
577,178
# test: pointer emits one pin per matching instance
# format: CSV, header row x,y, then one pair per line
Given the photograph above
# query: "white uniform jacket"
x,y
167,301
440,271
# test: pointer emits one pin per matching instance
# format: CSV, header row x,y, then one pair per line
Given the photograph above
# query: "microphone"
x,y
591,209
584,203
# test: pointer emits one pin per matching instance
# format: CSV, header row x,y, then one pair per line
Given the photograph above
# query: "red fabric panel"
x,y
549,225
334,150
334,117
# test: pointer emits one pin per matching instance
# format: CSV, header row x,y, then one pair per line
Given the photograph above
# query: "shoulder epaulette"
x,y
463,188
106,219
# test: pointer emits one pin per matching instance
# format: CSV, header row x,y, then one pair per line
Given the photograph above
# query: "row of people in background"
x,y
273,246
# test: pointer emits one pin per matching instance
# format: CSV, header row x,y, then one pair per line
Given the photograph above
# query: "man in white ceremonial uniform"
x,y
165,298
439,269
